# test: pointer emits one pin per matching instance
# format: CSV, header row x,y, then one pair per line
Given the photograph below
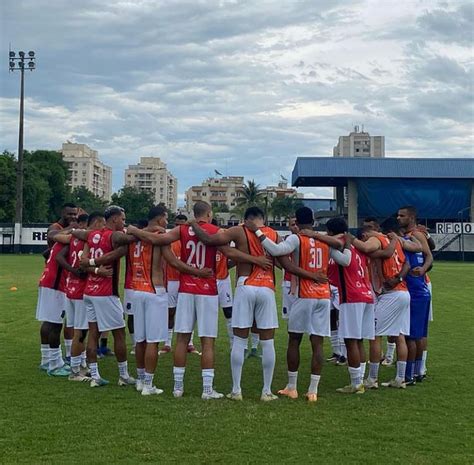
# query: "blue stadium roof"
x,y
335,171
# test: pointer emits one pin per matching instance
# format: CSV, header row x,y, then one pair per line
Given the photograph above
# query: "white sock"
x,y
68,345
363,365
401,369
75,363
141,374
207,380
237,362
55,358
170,337
374,370
335,342
292,379
45,354
255,340
230,331
354,374
148,379
132,337
313,384
390,350
342,348
268,364
123,369
84,359
423,362
178,374
94,370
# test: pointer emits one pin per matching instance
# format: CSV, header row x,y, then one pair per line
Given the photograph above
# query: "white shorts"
x,y
356,321
76,314
51,305
201,308
173,287
106,311
287,299
254,303
129,301
430,288
224,291
151,316
69,312
335,297
311,316
392,314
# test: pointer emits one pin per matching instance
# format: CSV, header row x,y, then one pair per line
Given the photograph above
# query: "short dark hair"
x,y
370,219
181,217
112,210
390,225
83,218
201,208
337,225
410,209
157,210
68,205
143,223
256,212
304,215
93,216
214,222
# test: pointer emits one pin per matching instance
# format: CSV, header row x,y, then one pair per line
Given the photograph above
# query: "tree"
x,y
136,202
87,200
284,207
250,196
7,187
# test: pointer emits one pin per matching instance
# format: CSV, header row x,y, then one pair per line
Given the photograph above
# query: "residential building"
x,y
220,191
360,144
152,175
87,170
279,191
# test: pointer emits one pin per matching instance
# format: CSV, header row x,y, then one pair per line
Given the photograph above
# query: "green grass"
x,y
46,420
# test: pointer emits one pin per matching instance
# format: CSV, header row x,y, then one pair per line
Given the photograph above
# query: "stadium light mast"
x,y
21,62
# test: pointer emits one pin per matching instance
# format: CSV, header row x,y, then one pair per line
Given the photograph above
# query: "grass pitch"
x,y
48,420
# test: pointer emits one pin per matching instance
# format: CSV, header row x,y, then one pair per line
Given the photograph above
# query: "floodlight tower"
x,y
20,62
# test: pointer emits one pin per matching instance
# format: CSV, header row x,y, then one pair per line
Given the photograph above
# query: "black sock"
x,y
103,342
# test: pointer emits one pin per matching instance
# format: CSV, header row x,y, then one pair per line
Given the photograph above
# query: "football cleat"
x,y
290,393
349,389
178,393
410,381
212,395
253,353
395,383
333,358
139,385
44,366
235,396
98,382
165,350
127,381
387,362
311,397
193,350
78,377
151,391
268,397
370,383
341,360
61,371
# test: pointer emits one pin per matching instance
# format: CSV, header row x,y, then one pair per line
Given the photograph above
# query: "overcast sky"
x,y
241,87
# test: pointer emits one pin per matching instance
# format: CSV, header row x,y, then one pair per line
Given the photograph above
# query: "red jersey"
x,y
53,277
222,269
172,274
100,243
140,264
259,276
75,285
313,257
196,254
353,281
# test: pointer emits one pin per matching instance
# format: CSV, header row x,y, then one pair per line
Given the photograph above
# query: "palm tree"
x,y
250,196
285,207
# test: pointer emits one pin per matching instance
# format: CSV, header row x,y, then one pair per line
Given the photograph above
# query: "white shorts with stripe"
x,y
51,305
310,316
287,299
224,291
254,303
106,311
129,302
76,314
192,308
151,316
173,287
356,321
392,314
